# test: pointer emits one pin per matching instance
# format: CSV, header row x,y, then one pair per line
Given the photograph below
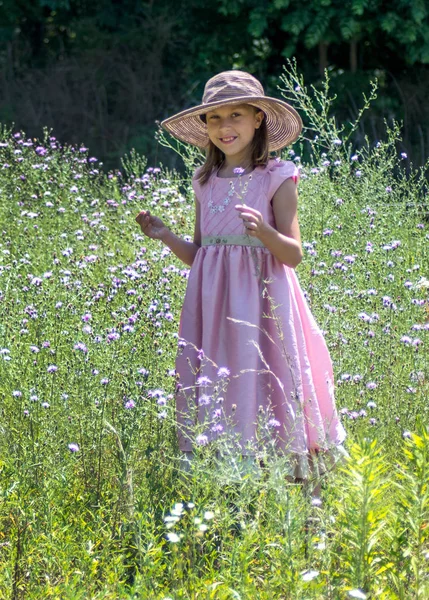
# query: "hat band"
x,y
227,94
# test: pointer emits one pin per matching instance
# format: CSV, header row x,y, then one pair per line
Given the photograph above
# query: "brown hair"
x,y
259,153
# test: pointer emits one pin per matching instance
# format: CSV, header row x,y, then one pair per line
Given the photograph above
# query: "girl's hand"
x,y
151,226
253,220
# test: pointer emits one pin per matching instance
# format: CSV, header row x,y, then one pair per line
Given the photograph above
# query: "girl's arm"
x,y
283,241
186,251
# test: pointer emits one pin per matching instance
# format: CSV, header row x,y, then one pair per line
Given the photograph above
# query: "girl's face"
x,y
232,128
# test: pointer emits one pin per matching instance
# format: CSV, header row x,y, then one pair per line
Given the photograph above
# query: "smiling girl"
x,y
245,317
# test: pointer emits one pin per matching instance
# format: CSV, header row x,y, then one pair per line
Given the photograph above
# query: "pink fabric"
x,y
224,284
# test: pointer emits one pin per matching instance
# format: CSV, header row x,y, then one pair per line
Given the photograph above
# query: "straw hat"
x,y
236,87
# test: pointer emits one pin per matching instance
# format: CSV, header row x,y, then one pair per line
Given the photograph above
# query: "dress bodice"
x,y
219,196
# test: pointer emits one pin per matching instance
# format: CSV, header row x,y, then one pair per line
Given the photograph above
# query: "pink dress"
x,y
244,359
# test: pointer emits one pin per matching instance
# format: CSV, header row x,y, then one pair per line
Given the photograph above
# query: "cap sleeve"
x,y
278,172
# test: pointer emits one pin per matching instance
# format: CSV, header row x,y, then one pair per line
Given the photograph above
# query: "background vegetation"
x,y
104,71
94,502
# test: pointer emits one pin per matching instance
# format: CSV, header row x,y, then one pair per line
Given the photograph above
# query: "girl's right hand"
x,y
151,226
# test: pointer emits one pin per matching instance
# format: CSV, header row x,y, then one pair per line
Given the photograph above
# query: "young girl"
x,y
245,317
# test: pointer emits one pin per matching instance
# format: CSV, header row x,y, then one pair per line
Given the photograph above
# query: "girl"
x,y
245,322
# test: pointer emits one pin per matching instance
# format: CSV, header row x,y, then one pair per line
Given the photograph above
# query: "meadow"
x,y
94,502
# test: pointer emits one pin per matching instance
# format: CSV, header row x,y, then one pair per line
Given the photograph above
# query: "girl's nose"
x,y
224,123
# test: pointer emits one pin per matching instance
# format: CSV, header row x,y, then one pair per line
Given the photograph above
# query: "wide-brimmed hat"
x,y
236,87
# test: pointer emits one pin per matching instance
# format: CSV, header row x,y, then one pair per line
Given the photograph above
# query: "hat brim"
x,y
283,122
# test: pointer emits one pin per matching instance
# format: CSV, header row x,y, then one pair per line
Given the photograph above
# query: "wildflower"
x,y
406,434
202,440
273,423
104,381
130,404
73,447
404,155
177,509
52,369
371,385
45,405
16,393
223,372
217,428
309,575
113,336
371,404
357,594
204,400
203,380
173,537
209,515
80,346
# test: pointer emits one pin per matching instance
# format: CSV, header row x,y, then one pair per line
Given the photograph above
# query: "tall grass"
x,y
94,500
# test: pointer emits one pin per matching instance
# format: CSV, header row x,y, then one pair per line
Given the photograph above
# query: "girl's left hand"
x,y
253,220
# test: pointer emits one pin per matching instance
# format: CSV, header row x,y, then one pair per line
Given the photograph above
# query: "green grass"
x,y
83,291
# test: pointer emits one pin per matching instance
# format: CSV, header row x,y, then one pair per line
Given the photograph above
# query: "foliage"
x,y
104,71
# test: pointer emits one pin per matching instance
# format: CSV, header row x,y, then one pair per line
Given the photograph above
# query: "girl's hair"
x,y
259,153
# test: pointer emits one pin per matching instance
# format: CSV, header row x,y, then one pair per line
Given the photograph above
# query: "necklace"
x,y
218,208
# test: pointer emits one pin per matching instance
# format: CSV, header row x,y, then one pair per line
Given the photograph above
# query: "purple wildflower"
x,y
203,380
130,404
223,372
73,447
52,369
202,440
80,346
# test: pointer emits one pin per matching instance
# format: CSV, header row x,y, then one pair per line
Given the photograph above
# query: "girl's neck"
x,y
227,167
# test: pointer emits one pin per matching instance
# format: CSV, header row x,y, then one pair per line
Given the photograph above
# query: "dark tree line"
x,y
103,71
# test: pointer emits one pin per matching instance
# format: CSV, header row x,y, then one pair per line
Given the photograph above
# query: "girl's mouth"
x,y
227,140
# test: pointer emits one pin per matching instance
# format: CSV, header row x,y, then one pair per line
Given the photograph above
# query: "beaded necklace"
x,y
218,208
